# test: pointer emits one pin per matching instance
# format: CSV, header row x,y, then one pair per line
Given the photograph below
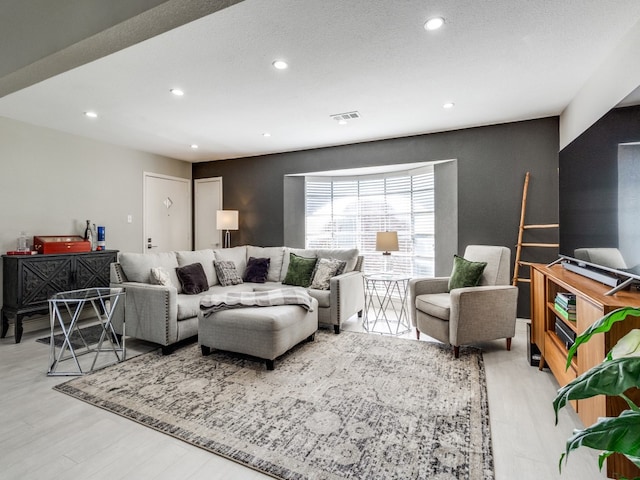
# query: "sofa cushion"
x,y
227,273
322,296
263,287
299,270
204,257
435,304
275,256
465,273
193,279
137,266
188,306
257,270
325,269
298,251
348,255
237,255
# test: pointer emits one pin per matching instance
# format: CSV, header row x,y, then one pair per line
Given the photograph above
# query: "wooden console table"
x,y
591,304
30,280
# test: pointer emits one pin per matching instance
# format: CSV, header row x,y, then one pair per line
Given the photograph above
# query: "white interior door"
x,y
208,199
167,213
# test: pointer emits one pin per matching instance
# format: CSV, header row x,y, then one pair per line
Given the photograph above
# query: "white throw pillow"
x,y
159,276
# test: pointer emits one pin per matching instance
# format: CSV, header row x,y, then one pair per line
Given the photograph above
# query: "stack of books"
x,y
566,306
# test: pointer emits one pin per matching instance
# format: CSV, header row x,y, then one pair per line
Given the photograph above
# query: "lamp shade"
x,y
227,220
387,242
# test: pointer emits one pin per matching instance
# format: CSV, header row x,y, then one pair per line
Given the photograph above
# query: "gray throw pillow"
x,y
227,273
465,273
326,268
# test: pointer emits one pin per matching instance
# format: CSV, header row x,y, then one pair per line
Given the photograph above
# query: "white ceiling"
x,y
498,61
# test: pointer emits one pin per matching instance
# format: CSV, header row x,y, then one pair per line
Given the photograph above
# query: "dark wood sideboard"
x,y
30,280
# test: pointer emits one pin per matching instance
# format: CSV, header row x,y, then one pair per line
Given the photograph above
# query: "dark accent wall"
x,y
492,162
589,181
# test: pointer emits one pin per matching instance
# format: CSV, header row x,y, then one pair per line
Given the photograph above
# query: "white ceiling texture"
x,y
496,60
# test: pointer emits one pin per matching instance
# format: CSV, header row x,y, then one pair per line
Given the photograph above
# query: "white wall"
x,y
617,77
52,182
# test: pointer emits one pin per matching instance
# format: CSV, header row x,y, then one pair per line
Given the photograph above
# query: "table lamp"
x,y
227,220
387,242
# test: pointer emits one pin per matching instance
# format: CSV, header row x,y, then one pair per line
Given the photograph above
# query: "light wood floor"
x,y
48,435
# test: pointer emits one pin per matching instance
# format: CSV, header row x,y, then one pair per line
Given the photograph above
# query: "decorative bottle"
x,y
23,244
88,234
101,245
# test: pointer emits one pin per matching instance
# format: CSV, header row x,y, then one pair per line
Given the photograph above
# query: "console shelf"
x,y
591,304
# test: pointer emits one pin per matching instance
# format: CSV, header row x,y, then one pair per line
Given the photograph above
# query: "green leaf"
x,y
602,325
608,378
627,346
618,434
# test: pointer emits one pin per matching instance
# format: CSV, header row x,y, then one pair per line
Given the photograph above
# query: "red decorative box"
x,y
60,244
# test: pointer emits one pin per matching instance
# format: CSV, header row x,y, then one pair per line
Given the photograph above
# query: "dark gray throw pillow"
x,y
257,270
192,278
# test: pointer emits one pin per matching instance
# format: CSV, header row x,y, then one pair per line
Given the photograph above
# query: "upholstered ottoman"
x,y
263,332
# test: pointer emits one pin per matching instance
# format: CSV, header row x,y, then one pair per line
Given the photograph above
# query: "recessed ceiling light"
x,y
434,23
91,114
194,146
280,64
448,105
177,92
266,134
342,122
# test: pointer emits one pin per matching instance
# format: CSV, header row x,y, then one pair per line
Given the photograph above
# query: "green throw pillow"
x,y
299,271
465,273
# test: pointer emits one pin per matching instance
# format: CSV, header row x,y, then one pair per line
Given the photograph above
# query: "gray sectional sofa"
x,y
164,314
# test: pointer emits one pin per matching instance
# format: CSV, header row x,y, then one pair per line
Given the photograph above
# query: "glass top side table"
x,y
386,304
65,309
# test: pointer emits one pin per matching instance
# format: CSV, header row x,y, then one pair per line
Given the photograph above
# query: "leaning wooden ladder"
x,y
519,263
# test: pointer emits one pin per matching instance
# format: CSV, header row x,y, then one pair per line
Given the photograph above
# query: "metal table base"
x,y
386,303
65,309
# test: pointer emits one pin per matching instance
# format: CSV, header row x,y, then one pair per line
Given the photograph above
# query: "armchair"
x,y
467,315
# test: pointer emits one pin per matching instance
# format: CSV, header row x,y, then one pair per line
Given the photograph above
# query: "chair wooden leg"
x,y
509,344
456,351
417,334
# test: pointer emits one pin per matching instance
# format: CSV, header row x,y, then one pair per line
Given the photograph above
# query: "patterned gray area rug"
x,y
352,405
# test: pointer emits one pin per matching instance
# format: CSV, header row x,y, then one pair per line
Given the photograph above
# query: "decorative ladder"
x,y
520,245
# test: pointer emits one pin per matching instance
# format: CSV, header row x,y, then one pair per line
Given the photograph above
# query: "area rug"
x,y
91,335
353,405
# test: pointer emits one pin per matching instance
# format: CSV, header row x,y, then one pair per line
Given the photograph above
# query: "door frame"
x,y
195,223
146,175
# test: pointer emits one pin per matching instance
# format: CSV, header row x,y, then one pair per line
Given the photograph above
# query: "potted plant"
x,y
619,371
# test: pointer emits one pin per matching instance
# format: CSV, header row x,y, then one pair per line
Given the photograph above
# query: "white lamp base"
x,y
387,263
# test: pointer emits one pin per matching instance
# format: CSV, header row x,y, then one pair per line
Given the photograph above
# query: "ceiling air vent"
x,y
344,117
